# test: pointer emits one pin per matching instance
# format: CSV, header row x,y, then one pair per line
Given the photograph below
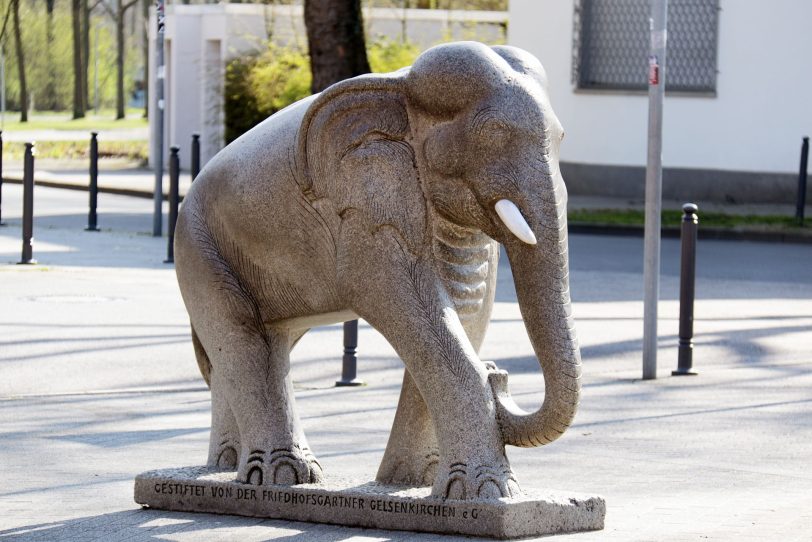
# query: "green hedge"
x,y
258,86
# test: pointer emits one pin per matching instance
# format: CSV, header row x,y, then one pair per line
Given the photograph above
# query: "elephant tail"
x,y
202,359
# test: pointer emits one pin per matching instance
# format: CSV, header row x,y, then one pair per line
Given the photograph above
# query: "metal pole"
x,y
174,200
687,287
801,202
654,185
349,363
1,179
195,156
157,198
28,205
93,189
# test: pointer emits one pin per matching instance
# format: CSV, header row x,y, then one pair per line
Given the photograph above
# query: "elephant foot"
x,y
225,455
411,470
280,466
469,481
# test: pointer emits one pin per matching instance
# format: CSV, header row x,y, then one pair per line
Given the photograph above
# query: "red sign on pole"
x,y
653,71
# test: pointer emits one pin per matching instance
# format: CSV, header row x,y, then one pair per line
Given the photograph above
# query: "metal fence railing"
x,y
611,45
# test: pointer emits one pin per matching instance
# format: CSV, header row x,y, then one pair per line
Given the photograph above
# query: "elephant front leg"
x,y
413,311
411,454
449,376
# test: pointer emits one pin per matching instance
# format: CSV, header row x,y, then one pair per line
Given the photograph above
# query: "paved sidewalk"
x,y
99,383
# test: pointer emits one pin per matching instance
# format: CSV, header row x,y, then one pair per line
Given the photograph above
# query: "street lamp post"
x,y
654,185
158,195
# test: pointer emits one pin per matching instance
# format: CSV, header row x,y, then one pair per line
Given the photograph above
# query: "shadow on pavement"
x,y
743,346
118,439
99,344
147,524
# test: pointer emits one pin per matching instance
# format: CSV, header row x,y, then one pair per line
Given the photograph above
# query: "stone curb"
x,y
132,192
705,232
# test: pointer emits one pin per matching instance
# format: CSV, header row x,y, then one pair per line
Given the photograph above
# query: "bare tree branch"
x,y
107,8
5,21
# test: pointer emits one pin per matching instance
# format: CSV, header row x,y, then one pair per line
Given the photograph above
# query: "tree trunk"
x,y
335,37
49,92
18,44
86,53
120,113
78,91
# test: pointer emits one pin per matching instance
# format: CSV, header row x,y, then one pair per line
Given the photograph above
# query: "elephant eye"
x,y
496,129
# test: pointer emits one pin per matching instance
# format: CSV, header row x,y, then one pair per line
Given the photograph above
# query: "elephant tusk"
x,y
515,222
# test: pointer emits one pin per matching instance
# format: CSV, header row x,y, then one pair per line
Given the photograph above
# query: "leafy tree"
x,y
32,21
258,86
387,55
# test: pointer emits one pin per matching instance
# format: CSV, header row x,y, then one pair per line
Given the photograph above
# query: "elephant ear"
x,y
354,149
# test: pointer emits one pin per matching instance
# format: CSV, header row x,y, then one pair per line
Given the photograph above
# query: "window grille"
x,y
611,45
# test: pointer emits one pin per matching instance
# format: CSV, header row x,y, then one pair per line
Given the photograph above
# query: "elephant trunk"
x,y
541,275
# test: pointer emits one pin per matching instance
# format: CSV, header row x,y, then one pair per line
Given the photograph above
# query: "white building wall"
x,y
198,39
762,108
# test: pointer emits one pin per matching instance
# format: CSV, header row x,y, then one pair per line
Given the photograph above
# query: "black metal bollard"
x,y
349,363
195,156
174,198
28,205
801,202
687,283
93,189
1,179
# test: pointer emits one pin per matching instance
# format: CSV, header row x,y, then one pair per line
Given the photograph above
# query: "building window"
x,y
611,45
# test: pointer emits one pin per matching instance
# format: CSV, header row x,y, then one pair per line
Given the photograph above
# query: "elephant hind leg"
x,y
252,369
254,425
224,439
203,362
411,454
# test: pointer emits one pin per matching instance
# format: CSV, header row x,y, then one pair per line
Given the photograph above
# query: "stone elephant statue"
x,y
384,198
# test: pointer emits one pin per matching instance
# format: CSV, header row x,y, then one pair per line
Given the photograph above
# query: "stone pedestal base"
x,y
371,505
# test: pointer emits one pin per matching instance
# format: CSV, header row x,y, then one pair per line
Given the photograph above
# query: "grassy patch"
x,y
672,218
80,150
105,120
